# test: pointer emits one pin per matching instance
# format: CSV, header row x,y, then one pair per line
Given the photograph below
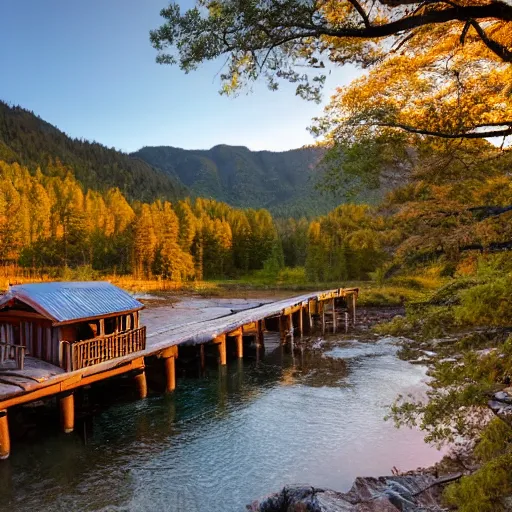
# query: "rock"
x,y
436,342
501,405
454,359
408,493
503,396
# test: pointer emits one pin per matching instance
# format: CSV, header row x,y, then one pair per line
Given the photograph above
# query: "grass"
x,y
392,292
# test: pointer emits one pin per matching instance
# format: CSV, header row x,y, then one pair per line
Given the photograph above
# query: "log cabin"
x,y
71,325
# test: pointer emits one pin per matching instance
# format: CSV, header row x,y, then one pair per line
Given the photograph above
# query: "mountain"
x,y
283,182
28,140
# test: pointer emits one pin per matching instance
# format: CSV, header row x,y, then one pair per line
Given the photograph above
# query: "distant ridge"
x,y
30,141
284,182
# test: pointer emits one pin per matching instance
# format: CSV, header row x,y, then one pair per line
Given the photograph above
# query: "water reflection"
x,y
227,438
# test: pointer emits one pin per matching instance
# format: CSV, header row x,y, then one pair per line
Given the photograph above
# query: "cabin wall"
x,y
45,342
36,336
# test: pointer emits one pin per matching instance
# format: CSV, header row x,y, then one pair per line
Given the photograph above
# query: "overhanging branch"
x,y
467,134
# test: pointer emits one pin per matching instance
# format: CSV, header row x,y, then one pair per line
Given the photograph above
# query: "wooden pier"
x,y
85,363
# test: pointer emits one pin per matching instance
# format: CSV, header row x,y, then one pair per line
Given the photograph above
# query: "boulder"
x,y
408,493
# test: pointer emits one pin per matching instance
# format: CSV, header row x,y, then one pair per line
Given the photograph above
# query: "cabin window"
x,y
110,325
87,330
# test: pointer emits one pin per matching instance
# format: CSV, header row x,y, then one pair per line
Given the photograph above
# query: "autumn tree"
x,y
435,69
144,241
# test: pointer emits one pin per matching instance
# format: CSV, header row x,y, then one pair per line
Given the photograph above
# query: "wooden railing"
x,y
10,352
104,348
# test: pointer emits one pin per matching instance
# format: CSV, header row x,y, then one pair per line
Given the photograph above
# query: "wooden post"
x,y
240,345
67,412
202,357
282,329
290,325
346,321
261,333
220,341
257,345
333,315
310,318
323,317
354,307
170,374
5,441
301,321
140,382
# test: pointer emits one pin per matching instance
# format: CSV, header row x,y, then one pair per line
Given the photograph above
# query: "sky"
x,y
88,68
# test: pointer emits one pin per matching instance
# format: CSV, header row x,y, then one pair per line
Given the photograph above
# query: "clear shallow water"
x,y
222,441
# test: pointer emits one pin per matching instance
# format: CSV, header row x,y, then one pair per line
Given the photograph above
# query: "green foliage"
x,y
292,276
275,262
494,439
484,490
398,326
345,244
487,304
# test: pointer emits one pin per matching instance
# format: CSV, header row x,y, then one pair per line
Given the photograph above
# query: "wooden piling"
x,y
220,341
261,333
282,329
334,315
346,321
301,321
141,384
5,441
323,318
240,345
202,358
67,412
170,374
169,355
354,300
291,328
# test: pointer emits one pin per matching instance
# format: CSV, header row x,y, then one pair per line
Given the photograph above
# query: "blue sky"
x,y
88,68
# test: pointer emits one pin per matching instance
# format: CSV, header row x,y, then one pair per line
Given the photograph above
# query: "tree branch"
x,y
358,7
493,45
495,10
504,132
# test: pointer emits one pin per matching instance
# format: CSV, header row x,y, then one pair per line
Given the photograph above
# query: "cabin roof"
x,y
64,302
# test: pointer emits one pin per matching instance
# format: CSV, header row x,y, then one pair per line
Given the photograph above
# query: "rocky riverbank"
x,y
408,493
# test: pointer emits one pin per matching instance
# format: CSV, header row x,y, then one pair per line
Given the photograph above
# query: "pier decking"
x,y
333,309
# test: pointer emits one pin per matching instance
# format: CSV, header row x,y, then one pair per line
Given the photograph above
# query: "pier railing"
x,y
11,352
104,348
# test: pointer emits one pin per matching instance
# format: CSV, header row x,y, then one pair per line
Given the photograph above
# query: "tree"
x,y
144,243
273,39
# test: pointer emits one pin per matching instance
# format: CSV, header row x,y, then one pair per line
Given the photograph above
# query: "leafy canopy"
x,y
436,67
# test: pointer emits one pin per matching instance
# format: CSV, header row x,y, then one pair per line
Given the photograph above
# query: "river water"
x,y
227,438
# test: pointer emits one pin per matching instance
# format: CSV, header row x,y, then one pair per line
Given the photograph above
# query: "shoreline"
x,y
416,490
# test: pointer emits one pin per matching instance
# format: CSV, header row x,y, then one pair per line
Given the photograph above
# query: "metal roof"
x,y
64,301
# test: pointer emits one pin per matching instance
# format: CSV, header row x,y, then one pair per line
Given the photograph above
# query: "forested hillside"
x,y
283,182
36,144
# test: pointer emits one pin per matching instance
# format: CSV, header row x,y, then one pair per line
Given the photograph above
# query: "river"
x,y
227,438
